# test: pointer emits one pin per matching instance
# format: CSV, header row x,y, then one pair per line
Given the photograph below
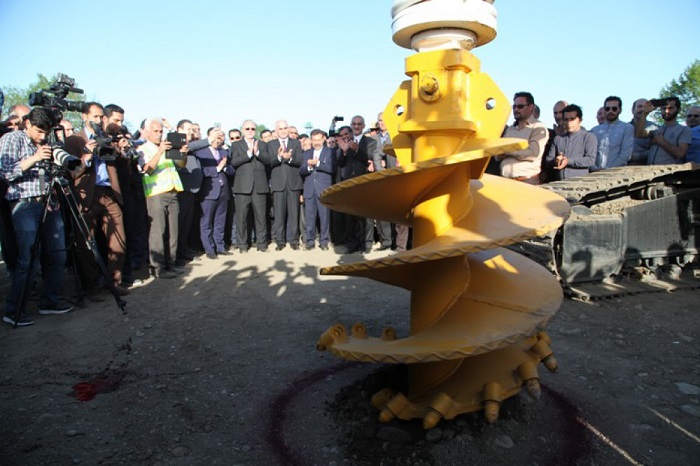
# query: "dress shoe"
x,y
279,247
309,247
295,247
225,253
262,248
177,269
242,250
384,247
324,248
165,274
212,255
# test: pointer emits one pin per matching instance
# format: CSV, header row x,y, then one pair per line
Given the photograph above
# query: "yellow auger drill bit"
x,y
478,311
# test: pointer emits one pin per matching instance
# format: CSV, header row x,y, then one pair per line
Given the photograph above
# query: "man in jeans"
x,y
20,152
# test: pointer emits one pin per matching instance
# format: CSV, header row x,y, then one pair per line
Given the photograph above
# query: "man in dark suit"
x,y
214,195
317,170
355,155
250,186
285,156
191,178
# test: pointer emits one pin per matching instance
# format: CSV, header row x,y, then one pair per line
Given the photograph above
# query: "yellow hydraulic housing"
x,y
478,311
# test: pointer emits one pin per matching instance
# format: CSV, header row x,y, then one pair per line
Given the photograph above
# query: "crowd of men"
x,y
161,196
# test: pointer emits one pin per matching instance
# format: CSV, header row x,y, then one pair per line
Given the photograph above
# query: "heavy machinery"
x,y
478,310
632,229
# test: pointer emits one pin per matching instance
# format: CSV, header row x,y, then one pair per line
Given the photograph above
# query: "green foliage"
x,y
16,95
686,87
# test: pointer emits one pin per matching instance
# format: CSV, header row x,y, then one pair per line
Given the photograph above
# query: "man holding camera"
x,y
670,142
22,154
99,193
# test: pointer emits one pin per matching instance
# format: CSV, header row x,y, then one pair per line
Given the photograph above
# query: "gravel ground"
x,y
220,367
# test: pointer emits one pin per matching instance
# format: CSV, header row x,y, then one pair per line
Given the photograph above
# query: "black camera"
x,y
57,102
656,103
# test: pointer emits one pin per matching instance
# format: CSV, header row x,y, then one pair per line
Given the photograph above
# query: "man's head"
x,y
292,131
358,125
266,135
638,108
196,132
92,112
154,130
612,108
523,106
218,140
38,123
600,115
572,118
114,114
16,114
670,112
67,127
234,135
305,142
248,129
380,122
330,141
282,129
558,111
345,133
184,126
692,118
318,138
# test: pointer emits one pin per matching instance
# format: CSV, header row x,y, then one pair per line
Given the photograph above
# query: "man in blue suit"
x,y
317,170
214,195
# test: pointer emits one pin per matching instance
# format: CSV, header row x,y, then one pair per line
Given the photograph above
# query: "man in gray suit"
x,y
285,156
249,157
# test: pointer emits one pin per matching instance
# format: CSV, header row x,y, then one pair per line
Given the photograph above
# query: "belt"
x,y
27,199
526,178
103,190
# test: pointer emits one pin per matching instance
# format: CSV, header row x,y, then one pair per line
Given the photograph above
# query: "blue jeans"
x,y
26,218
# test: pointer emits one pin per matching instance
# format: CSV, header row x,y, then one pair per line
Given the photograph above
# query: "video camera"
x,y
56,103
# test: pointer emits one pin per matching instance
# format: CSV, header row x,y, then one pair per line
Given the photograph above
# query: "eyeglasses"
x,y
519,106
613,109
692,116
249,129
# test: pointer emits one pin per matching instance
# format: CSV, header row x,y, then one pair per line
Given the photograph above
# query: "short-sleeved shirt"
x,y
675,134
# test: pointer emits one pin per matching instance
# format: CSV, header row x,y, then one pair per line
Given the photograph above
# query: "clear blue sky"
x,y
306,61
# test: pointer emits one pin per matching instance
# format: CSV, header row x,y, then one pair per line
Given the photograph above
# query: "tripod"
x,y
62,186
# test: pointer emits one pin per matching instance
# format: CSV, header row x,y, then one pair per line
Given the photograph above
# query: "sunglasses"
x,y
235,138
519,106
693,116
614,109
249,129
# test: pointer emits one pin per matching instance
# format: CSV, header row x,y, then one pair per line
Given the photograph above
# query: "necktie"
x,y
284,146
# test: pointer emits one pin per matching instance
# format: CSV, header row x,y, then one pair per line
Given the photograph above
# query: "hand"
x,y
43,153
164,145
648,108
343,144
222,164
184,149
255,147
91,145
166,124
285,154
353,145
312,162
370,166
214,135
560,161
657,139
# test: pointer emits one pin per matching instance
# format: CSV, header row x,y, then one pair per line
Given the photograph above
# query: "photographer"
x,y
99,195
670,142
22,156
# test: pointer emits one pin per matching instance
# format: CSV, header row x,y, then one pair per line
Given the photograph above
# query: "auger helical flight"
x,y
478,311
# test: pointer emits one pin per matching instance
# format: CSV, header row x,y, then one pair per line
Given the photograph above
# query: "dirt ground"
x,y
220,367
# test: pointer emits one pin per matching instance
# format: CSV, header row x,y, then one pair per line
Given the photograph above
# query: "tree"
x,y
17,95
686,87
